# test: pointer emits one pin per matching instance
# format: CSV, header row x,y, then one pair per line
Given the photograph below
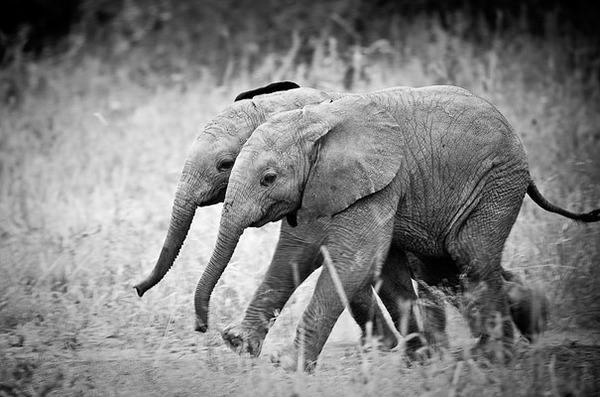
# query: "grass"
x,y
90,156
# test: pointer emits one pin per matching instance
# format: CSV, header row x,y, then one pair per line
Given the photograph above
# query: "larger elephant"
x,y
203,182
435,171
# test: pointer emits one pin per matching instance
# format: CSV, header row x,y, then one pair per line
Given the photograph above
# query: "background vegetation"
x,y
99,103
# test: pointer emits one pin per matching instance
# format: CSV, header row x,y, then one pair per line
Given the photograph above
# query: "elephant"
x,y
203,182
436,172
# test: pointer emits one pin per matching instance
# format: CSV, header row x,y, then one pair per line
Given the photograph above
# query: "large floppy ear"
x,y
268,89
358,154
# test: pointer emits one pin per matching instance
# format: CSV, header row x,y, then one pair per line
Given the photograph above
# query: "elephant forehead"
x,y
208,145
263,142
220,128
279,139
235,121
252,156
275,151
280,126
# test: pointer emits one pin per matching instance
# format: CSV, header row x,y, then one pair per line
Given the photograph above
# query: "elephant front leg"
x,y
350,261
295,258
325,307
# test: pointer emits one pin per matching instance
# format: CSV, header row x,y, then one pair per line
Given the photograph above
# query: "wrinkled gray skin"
x,y
203,182
436,172
209,161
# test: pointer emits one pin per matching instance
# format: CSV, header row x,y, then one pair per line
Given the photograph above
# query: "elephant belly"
x,y
415,238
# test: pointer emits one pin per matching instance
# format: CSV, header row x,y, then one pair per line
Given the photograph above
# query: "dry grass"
x,y
90,158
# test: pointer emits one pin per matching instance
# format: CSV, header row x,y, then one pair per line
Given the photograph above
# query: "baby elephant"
x,y
204,181
434,171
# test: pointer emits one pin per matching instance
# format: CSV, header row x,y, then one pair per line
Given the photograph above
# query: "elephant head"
x,y
309,163
211,157
203,180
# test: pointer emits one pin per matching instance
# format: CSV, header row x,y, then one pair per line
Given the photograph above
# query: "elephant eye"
x,y
268,178
225,165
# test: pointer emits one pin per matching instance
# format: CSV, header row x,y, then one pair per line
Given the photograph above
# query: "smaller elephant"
x,y
203,183
436,172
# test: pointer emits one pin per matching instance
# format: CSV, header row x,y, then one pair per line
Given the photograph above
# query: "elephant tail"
x,y
536,196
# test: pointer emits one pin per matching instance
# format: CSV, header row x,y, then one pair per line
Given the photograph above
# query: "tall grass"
x,y
91,154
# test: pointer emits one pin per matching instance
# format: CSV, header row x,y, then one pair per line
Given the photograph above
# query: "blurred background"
x,y
100,99
224,40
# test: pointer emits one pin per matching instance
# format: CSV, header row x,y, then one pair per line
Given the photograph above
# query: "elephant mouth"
x,y
261,222
277,213
267,219
216,199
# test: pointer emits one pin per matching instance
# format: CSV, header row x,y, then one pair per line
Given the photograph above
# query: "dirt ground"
x,y
561,364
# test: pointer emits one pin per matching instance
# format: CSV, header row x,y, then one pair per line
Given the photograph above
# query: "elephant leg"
x,y
477,251
397,295
529,308
434,273
366,312
296,257
324,308
484,303
355,253
433,316
437,278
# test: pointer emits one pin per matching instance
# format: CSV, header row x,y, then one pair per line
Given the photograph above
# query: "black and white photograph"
x,y
300,198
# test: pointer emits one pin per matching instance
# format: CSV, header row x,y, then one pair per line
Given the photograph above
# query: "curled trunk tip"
x,y
226,242
201,325
181,219
140,288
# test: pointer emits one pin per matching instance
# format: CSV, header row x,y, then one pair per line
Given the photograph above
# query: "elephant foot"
x,y
529,308
384,338
242,340
384,342
290,360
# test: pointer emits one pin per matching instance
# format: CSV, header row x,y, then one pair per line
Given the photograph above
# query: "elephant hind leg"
x,y
477,251
367,313
422,319
484,303
394,288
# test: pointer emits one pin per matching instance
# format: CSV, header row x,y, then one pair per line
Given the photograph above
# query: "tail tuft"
x,y
592,216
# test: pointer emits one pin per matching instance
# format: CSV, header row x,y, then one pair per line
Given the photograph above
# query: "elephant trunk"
x,y
226,242
184,208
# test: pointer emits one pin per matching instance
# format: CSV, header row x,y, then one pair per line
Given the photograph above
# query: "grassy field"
x,y
90,156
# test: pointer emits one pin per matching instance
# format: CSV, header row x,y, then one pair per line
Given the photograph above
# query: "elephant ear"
x,y
358,154
268,89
